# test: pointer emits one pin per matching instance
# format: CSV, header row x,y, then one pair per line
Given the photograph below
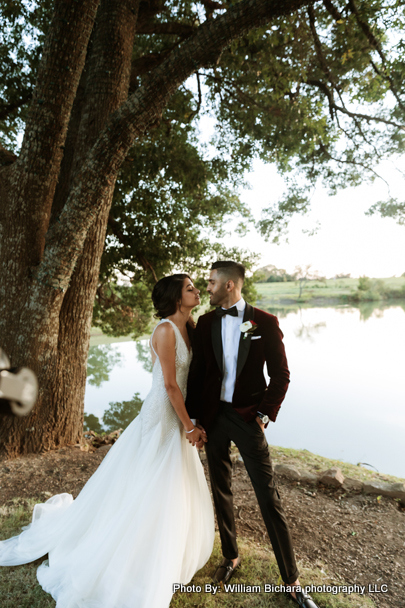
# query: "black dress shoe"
x,y
224,571
303,599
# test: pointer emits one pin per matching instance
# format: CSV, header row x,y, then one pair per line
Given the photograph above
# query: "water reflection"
x,y
144,355
366,309
346,397
118,416
307,331
102,359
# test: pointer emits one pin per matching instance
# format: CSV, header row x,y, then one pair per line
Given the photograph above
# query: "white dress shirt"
x,y
230,330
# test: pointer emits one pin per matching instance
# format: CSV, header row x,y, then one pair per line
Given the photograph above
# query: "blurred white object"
x,y
4,361
18,387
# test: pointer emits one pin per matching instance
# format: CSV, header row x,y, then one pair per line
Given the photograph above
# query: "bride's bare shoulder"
x,y
164,332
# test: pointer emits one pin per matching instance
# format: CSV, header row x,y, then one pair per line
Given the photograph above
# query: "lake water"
x,y
346,399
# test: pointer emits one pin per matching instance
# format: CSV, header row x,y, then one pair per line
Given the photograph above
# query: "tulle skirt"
x,y
143,522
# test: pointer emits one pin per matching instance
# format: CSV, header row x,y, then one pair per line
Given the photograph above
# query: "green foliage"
x,y
22,35
271,274
280,298
92,423
101,360
320,93
121,310
120,414
369,290
364,284
391,208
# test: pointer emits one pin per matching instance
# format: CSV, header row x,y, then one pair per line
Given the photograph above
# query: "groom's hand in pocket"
x,y
260,423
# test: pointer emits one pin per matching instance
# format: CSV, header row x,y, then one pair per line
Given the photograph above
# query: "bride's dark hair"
x,y
166,294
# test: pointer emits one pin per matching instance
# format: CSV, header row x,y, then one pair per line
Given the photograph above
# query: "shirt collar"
x,y
240,305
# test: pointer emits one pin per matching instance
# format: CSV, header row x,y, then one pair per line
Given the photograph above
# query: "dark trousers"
x,y
251,442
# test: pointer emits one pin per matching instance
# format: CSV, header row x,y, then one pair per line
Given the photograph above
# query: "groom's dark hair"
x,y
230,270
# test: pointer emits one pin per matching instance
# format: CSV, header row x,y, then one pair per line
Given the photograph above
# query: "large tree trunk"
x,y
58,416
115,29
52,237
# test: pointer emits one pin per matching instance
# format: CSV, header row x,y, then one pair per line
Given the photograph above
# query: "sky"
x,y
347,240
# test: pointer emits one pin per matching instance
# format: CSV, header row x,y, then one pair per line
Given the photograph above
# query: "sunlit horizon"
x,y
346,242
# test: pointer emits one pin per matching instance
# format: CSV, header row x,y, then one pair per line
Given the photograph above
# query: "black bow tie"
x,y
221,312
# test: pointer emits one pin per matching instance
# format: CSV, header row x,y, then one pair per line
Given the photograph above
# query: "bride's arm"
x,y
166,350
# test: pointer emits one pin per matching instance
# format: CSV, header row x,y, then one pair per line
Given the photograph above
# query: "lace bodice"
x,y
157,405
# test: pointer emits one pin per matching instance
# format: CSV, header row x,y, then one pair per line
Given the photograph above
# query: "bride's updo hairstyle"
x,y
166,294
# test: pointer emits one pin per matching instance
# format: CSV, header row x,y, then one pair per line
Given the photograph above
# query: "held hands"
x,y
197,437
200,444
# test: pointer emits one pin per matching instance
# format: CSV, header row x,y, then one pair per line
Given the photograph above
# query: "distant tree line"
x,y
271,274
371,290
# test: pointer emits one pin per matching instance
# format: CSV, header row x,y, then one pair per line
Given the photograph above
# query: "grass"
x,y
258,568
271,294
303,459
19,587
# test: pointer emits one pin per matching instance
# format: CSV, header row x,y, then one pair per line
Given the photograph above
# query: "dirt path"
x,y
358,538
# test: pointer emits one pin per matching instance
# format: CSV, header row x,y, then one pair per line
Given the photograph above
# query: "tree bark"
x,y
49,259
58,415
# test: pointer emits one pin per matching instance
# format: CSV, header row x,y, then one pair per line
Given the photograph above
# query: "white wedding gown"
x,y
142,522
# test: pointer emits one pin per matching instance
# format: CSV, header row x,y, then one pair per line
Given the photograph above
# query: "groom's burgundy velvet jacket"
x,y
251,394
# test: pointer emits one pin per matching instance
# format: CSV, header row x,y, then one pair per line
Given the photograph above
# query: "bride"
x,y
144,521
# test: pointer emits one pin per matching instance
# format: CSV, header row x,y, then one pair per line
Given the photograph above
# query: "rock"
x,y
103,448
308,477
332,477
288,470
394,490
350,484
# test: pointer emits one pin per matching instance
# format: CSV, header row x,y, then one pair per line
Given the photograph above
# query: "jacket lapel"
x,y
244,343
216,336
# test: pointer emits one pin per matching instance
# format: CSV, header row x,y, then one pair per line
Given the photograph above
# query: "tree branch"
x,y
375,44
327,92
148,9
41,153
7,108
211,6
125,240
333,106
6,157
242,95
143,65
332,10
196,111
318,46
369,118
351,162
171,28
143,108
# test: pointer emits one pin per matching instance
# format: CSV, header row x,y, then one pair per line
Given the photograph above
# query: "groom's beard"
x,y
219,297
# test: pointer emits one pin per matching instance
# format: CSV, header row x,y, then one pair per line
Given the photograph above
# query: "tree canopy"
x,y
319,93
104,173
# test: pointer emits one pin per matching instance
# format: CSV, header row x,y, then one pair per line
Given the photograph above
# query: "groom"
x,y
228,394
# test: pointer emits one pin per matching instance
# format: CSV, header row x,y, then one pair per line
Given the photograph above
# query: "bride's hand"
x,y
195,436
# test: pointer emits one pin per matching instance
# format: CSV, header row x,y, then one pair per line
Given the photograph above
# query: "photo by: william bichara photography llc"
x,y
272,588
